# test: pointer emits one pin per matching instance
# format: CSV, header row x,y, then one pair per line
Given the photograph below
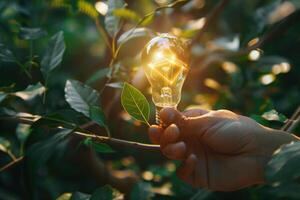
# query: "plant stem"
x,y
85,133
12,163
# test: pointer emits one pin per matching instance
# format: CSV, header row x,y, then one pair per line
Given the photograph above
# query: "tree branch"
x,y
104,139
210,19
292,122
12,163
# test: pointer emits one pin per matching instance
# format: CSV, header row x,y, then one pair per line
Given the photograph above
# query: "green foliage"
x,y
31,33
106,193
55,164
54,54
81,97
135,103
112,21
99,147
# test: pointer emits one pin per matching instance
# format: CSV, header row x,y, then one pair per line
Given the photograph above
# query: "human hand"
x,y
220,150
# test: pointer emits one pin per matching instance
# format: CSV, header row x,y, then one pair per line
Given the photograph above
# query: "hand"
x,y
220,150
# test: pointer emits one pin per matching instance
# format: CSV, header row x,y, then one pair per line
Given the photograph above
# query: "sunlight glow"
x,y
254,55
253,41
283,67
101,7
211,83
158,55
267,79
229,67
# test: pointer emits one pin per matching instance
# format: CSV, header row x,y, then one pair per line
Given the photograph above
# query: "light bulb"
x,y
165,65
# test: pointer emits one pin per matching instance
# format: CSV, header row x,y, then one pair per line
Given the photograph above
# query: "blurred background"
x,y
244,56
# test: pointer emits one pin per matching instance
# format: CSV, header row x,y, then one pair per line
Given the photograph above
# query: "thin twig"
x,y
105,139
12,163
103,33
292,122
210,19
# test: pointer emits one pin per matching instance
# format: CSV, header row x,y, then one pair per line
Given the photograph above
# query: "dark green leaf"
x,y
40,152
97,114
97,76
135,103
112,21
31,33
54,53
99,147
141,191
6,55
285,163
31,91
2,96
106,193
80,97
80,196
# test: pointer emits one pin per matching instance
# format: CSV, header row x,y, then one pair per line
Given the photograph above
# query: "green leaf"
x,y
97,114
40,152
4,144
106,193
31,33
284,164
97,76
111,21
141,190
135,103
54,53
81,97
134,33
6,55
2,96
23,131
64,196
126,13
99,147
80,196
273,115
31,91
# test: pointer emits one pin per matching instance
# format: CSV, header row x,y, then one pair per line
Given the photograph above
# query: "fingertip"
x,y
171,135
170,115
176,151
155,133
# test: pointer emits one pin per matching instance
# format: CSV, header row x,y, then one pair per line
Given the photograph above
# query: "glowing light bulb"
x,y
164,63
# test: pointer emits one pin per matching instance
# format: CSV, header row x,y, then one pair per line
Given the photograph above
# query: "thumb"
x,y
171,116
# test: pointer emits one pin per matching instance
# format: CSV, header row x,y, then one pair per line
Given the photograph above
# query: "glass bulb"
x,y
164,62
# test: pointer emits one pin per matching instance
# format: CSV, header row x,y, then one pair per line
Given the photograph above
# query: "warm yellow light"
x,y
148,175
211,83
197,24
101,7
158,55
253,41
229,67
283,67
165,67
267,79
254,55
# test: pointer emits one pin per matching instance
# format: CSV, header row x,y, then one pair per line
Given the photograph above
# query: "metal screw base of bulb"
x,y
157,117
